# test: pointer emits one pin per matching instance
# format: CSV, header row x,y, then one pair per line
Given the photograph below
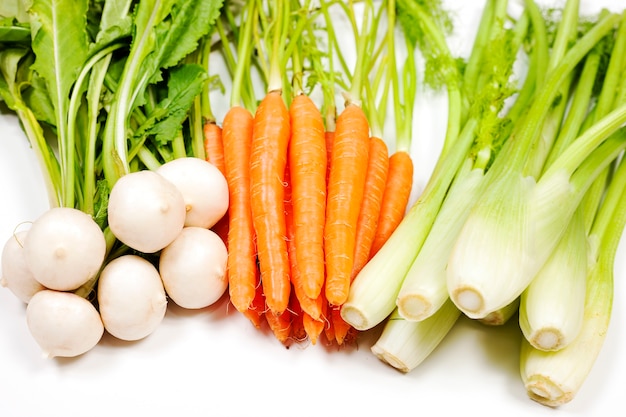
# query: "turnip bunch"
x,y
120,191
60,260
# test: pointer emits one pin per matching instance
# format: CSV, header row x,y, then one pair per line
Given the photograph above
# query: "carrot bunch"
x,y
308,190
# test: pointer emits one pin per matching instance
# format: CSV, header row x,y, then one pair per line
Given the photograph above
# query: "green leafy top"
x,y
163,33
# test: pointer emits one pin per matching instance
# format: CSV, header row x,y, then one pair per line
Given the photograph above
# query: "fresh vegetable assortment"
x,y
296,206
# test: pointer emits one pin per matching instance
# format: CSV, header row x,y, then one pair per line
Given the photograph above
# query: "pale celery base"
x,y
414,307
547,339
543,390
470,301
355,317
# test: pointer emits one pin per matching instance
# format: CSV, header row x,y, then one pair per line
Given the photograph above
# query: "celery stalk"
x,y
517,222
554,378
502,315
549,317
491,257
424,289
405,344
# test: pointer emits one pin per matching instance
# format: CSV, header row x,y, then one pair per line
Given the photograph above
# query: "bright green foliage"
x,y
107,83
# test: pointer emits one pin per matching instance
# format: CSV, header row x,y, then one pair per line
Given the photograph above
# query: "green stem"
x,y
374,98
303,21
450,71
598,161
280,14
244,51
206,111
481,39
327,77
527,91
47,160
540,41
178,146
572,158
358,76
333,43
496,29
614,72
404,125
68,150
566,33
519,147
93,103
148,159
578,109
610,219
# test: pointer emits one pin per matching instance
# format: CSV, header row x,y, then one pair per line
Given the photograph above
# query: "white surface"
x,y
213,362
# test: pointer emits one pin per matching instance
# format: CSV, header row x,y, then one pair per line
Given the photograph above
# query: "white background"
x,y
213,362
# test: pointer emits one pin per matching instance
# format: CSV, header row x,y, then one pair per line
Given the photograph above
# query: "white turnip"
x,y
203,186
63,324
193,268
145,211
65,248
131,297
16,275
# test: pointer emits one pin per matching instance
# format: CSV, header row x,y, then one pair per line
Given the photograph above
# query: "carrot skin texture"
x,y
214,145
256,311
375,182
395,199
242,267
312,306
341,327
268,159
279,324
214,153
307,165
346,183
312,327
298,332
329,328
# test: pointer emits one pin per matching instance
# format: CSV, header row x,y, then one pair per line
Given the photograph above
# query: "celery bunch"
x,y
505,223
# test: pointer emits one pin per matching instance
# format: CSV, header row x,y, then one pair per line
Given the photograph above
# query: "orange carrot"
x,y
279,324
395,199
345,194
329,329
242,267
214,145
268,159
342,329
375,181
307,164
312,327
298,332
313,306
214,153
256,311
